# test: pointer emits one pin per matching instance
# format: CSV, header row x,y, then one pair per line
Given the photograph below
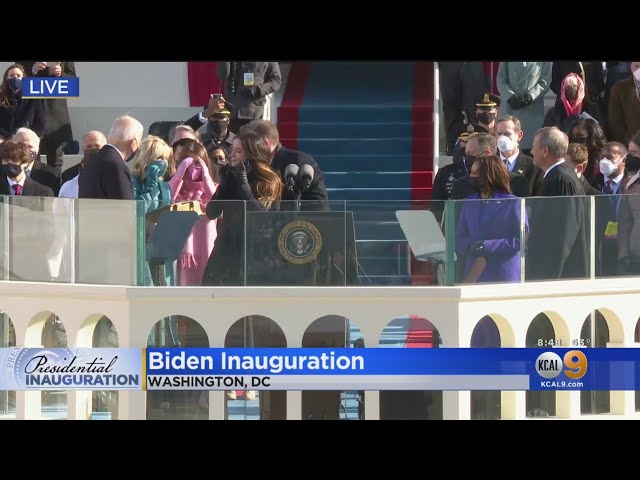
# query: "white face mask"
x,y
607,167
636,75
505,144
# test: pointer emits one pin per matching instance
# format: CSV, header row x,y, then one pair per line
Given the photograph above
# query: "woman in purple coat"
x,y
488,233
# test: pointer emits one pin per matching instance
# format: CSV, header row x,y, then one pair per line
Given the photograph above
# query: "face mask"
x,y
486,117
475,184
633,162
582,140
607,167
505,144
194,173
468,161
11,170
217,128
15,83
636,75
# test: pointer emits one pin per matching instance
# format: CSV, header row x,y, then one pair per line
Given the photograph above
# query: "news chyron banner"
x,y
71,369
337,369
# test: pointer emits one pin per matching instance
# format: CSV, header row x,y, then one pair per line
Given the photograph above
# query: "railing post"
x,y
436,119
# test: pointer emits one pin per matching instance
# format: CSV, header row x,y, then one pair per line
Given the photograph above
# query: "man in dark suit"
x,y
609,182
509,133
92,142
36,170
14,181
478,146
313,198
558,244
106,175
461,84
246,86
58,125
578,158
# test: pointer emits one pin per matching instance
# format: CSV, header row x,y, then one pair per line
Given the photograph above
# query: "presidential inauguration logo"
x,y
300,242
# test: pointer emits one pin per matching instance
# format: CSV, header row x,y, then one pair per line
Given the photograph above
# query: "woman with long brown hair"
x,y
247,182
16,112
488,233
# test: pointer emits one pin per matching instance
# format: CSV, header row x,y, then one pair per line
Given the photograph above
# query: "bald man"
x,y
92,142
40,172
106,175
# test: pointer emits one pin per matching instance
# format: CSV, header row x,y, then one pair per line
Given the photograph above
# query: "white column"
x,y
294,405
456,405
132,405
217,399
568,404
514,405
372,405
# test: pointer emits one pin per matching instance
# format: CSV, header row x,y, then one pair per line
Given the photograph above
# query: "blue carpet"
x,y
356,119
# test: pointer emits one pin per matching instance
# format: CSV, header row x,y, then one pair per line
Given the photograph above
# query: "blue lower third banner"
x,y
336,369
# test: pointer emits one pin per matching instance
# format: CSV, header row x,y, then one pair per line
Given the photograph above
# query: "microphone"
x,y
306,177
290,174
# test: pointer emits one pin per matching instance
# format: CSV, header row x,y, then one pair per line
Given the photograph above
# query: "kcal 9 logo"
x,y
549,364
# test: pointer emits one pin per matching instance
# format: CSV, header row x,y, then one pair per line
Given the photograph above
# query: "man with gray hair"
x,y
36,170
557,247
106,175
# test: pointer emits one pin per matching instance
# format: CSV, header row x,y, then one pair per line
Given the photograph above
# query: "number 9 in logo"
x,y
576,362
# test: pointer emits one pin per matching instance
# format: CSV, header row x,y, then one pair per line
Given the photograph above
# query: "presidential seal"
x,y
300,242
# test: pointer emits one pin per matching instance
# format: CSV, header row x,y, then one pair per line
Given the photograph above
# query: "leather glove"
x,y
476,249
515,102
526,99
239,173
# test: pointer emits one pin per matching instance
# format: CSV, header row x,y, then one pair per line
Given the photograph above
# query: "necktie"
x,y
506,163
610,184
17,189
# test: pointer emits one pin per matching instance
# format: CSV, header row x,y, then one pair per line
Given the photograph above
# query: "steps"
x,y
369,127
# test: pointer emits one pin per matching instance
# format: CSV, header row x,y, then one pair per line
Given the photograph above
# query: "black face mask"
x,y
217,128
475,184
582,140
468,161
633,163
11,170
486,117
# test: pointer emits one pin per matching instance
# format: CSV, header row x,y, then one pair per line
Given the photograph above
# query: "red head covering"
x,y
573,107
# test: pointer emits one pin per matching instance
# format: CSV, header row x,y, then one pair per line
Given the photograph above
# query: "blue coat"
x,y
497,224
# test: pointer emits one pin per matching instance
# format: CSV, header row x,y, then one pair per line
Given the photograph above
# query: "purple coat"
x,y
497,224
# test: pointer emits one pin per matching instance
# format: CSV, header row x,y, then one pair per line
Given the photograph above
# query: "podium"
x,y
425,237
291,248
169,228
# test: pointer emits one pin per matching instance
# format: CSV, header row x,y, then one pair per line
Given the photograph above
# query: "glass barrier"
x,y
398,242
616,235
107,234
558,244
348,243
485,239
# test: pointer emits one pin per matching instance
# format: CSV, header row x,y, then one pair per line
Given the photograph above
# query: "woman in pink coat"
x,y
195,180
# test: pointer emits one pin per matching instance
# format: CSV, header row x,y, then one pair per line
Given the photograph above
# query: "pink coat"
x,y
192,182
